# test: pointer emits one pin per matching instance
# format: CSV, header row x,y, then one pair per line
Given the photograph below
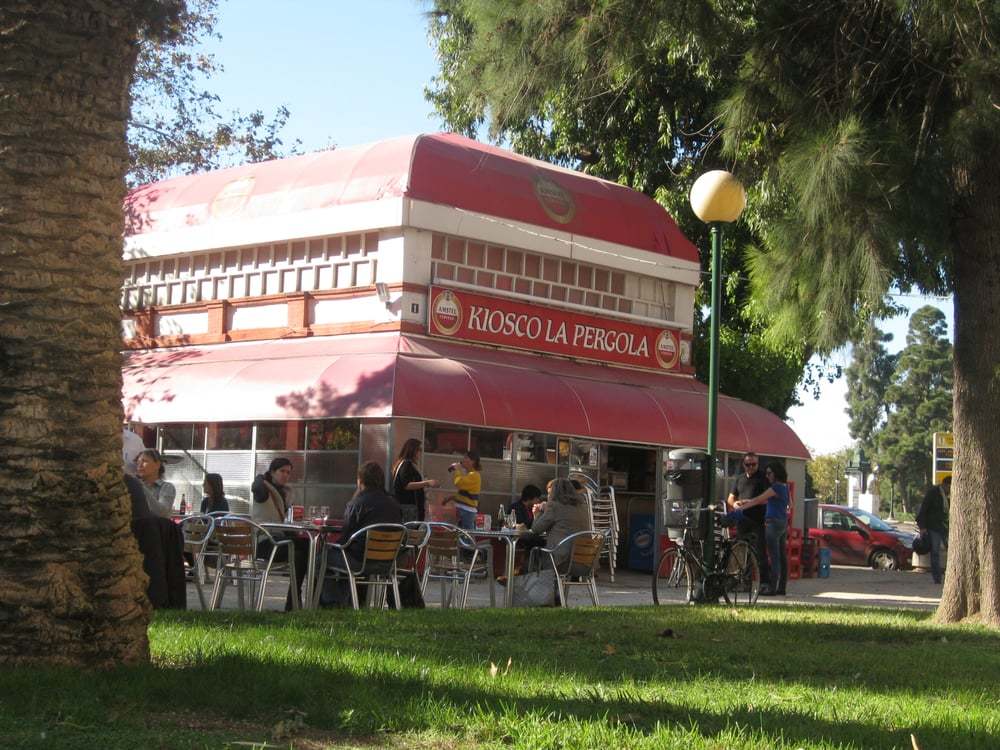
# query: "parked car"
x,y
857,537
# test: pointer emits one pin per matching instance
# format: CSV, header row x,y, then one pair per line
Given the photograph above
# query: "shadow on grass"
x,y
429,666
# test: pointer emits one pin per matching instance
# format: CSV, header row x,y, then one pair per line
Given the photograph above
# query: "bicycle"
x,y
680,575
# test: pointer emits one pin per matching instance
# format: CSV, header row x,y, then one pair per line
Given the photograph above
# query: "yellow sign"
x,y
944,456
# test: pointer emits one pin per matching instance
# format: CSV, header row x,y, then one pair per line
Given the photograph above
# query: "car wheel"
x,y
883,559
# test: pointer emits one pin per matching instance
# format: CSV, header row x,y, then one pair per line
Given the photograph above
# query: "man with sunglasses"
x,y
748,485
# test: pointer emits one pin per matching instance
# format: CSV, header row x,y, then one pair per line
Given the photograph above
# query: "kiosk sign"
x,y
493,320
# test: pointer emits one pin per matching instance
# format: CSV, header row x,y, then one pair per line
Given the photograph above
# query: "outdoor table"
x,y
316,564
510,537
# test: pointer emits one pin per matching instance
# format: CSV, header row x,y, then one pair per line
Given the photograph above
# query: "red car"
x,y
857,537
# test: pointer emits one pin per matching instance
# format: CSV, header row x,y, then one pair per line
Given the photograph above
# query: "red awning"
x,y
383,375
442,168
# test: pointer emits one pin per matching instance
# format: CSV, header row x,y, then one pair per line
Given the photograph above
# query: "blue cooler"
x,y
641,541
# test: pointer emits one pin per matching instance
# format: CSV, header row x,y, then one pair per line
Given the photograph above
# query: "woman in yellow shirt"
x,y
468,482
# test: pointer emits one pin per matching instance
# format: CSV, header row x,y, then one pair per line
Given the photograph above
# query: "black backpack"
x,y
922,543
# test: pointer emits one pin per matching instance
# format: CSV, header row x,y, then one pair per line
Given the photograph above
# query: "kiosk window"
x,y
445,438
489,443
333,435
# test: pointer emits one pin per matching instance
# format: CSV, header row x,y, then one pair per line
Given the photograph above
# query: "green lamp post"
x,y
717,198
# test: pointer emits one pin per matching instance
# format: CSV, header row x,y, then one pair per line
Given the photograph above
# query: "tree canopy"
x,y
177,124
866,131
868,378
918,403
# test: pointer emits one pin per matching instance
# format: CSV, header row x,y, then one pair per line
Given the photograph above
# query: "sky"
x,y
350,72
355,72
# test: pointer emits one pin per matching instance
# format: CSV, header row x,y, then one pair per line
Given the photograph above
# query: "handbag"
x,y
537,589
922,543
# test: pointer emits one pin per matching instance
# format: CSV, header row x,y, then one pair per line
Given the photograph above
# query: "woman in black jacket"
x,y
215,497
407,484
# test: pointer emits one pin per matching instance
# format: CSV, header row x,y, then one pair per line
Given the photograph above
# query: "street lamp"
x,y
717,198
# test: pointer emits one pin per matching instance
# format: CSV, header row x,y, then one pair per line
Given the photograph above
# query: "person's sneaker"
x,y
765,591
502,580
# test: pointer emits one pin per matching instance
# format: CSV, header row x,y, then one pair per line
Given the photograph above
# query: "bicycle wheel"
x,y
672,578
742,574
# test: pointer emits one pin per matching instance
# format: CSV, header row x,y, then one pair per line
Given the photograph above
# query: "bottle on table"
x,y
183,504
501,518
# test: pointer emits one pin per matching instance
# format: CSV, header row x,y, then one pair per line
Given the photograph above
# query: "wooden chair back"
x,y
586,549
196,530
443,542
235,537
382,545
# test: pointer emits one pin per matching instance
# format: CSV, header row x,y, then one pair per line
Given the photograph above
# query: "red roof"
x,y
384,375
442,168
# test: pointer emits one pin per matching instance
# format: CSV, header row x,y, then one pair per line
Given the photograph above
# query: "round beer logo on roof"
x,y
666,349
233,196
446,312
557,202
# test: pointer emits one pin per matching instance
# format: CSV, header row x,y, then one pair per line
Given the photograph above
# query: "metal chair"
x,y
413,552
453,556
580,564
197,532
377,567
238,539
603,516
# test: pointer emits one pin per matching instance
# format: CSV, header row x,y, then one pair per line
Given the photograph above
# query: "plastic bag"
x,y
536,589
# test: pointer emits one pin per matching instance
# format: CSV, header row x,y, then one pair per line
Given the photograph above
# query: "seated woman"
x,y
270,504
523,506
215,497
160,494
565,512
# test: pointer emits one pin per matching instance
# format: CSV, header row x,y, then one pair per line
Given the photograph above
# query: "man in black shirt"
x,y
370,505
933,518
749,485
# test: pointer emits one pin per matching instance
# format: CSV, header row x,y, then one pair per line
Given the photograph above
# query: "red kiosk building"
x,y
329,306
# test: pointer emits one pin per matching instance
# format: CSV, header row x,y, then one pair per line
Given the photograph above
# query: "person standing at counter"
x,y
407,483
160,494
468,482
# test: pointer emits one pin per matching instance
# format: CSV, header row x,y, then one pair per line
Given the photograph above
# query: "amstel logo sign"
x,y
557,202
666,350
447,313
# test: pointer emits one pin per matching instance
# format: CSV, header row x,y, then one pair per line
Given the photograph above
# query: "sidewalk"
x,y
846,586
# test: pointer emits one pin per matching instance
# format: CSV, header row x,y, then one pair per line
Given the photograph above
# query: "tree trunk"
x,y
972,581
72,590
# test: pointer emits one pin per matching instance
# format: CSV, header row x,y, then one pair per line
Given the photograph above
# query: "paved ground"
x,y
845,586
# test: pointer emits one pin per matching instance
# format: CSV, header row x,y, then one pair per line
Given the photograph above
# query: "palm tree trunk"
x,y
72,590
972,581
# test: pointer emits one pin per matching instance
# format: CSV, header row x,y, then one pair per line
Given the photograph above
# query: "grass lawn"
x,y
641,677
